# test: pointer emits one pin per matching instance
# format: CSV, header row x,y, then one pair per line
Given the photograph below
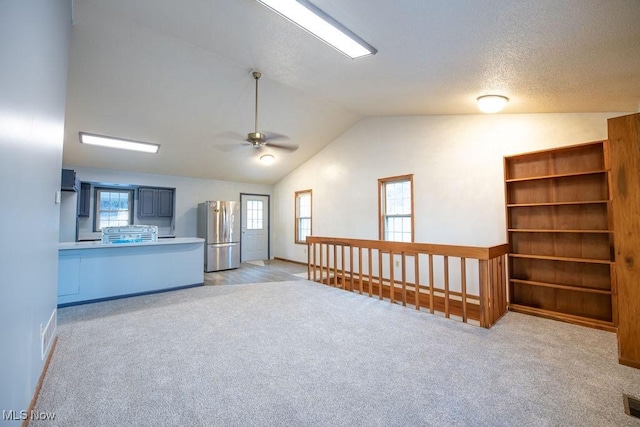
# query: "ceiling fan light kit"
x,y
256,138
313,20
267,159
492,103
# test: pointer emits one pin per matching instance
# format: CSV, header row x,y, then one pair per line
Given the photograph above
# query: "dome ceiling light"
x,y
267,159
492,103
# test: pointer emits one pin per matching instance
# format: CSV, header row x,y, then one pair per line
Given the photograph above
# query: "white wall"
x,y
457,162
34,47
189,192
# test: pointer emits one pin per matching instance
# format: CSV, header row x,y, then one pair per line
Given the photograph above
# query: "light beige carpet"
x,y
299,353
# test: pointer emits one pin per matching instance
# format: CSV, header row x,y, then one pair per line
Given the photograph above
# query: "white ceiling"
x,y
178,72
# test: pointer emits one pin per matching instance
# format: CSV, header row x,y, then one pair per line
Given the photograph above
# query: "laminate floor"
x,y
273,271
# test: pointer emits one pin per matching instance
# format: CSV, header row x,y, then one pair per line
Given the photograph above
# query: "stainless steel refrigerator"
x,y
219,226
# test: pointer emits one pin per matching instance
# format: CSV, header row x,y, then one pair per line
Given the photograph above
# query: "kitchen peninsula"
x,y
93,271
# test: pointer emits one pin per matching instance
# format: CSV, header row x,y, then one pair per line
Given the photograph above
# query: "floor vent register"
x,y
631,406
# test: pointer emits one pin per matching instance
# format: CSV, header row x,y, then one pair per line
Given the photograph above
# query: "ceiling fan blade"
x,y
273,136
236,136
227,148
289,148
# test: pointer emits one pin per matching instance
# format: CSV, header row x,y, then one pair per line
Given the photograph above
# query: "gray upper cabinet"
x,y
155,202
69,181
84,201
147,202
165,203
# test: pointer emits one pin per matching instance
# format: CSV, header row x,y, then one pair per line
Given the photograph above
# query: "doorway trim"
x,y
268,196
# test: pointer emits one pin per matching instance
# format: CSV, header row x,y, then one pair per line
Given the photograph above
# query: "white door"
x,y
254,240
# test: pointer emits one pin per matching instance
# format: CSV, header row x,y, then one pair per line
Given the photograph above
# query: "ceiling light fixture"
x,y
267,159
492,103
123,144
315,21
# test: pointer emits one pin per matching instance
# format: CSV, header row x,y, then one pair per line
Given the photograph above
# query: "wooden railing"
x,y
418,274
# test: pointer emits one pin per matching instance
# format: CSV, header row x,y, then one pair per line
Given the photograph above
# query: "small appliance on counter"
x,y
130,234
219,226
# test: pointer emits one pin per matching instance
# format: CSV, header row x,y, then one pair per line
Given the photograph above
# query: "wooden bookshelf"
x,y
561,260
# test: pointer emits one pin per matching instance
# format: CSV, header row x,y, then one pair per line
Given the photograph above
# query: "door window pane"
x,y
254,215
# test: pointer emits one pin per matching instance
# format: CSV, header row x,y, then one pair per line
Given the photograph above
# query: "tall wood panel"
x,y
561,262
624,140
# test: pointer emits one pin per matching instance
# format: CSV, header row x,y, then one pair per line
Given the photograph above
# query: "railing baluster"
x,y
503,285
379,274
483,278
494,280
309,261
360,269
431,284
404,280
446,287
392,284
315,264
335,265
496,292
321,263
351,268
463,287
416,267
342,263
370,265
328,266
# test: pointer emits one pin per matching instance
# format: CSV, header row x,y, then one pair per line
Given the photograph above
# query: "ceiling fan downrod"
x,y
256,75
256,138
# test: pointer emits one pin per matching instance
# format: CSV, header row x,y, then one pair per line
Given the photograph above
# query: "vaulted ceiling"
x,y
177,73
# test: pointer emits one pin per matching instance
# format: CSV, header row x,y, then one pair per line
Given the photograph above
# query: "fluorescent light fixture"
x,y
310,18
492,103
124,144
267,159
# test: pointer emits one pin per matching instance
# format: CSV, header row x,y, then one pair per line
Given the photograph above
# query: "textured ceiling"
x,y
177,73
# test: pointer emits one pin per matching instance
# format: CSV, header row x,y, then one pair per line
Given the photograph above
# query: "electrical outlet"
x,y
304,250
397,263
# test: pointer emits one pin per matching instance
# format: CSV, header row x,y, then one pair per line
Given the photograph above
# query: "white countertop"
x,y
65,246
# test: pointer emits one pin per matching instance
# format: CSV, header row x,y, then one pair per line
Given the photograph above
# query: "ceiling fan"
x,y
259,139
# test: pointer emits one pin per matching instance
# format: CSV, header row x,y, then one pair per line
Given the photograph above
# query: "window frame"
x,y
382,216
96,204
297,196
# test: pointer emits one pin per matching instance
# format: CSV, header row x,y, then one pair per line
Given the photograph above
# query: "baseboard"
x,y
137,294
36,393
563,317
290,260
629,362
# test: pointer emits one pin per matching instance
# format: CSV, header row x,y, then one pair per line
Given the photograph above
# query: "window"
x,y
254,214
114,208
303,215
395,208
